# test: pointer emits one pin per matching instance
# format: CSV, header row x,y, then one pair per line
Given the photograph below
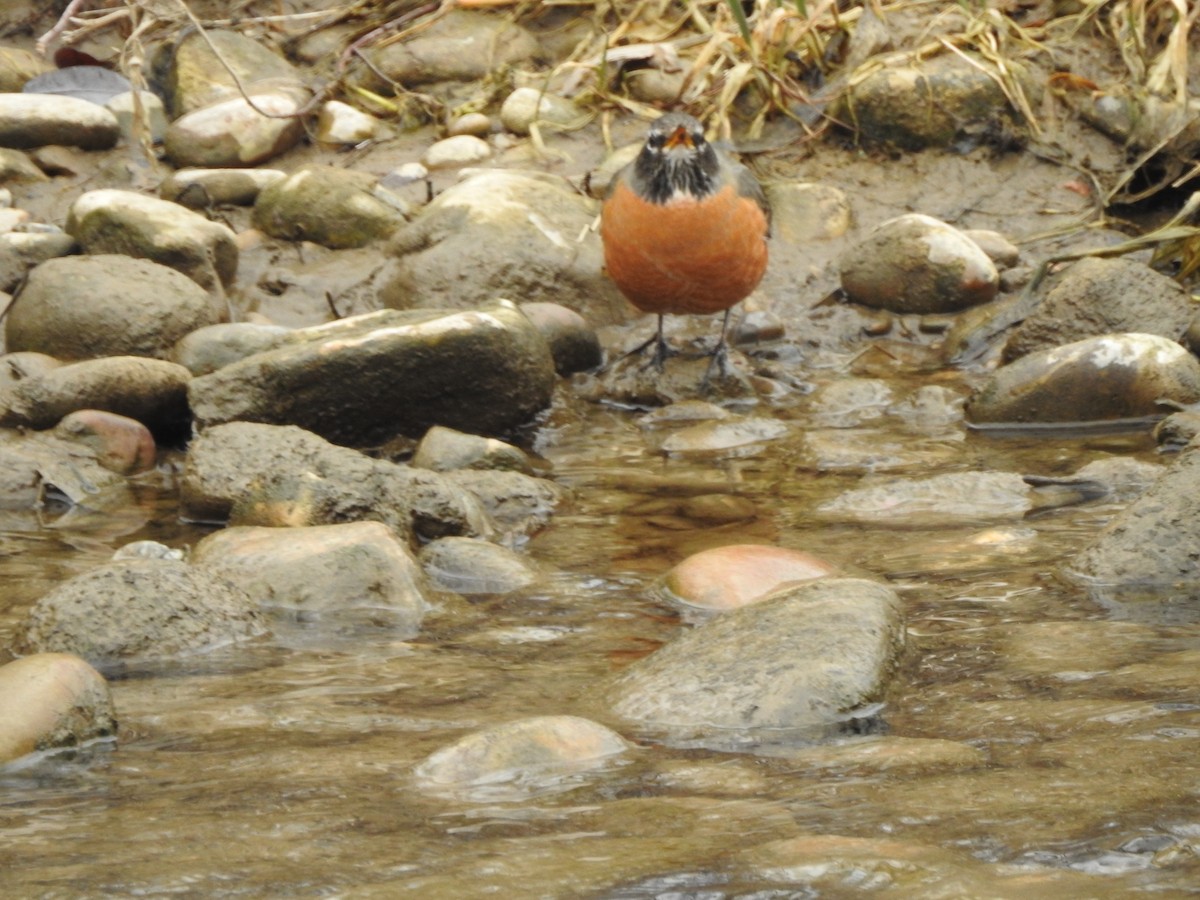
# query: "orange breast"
x,y
686,256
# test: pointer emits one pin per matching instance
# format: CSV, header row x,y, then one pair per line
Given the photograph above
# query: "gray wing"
x,y
748,186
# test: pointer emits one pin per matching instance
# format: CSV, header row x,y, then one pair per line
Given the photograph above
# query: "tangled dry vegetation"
x,y
741,65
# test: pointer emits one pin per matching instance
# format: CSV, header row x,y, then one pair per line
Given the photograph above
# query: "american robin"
x,y
684,228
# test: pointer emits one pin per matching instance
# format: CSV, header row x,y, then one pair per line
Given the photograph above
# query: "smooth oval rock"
x,y
917,264
470,566
1117,376
323,569
573,342
486,370
526,107
50,701
119,443
945,100
36,120
521,749
150,390
822,650
237,132
205,188
138,610
734,575
460,45
455,151
802,211
83,307
116,221
342,125
334,207
207,349
200,70
443,449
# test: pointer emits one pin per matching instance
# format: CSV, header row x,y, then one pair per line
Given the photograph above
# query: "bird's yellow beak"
x,y
679,138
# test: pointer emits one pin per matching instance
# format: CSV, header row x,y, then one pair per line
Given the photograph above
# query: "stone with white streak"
x,y
918,264
1116,376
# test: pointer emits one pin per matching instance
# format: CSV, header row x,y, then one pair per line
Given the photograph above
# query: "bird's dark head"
x,y
676,160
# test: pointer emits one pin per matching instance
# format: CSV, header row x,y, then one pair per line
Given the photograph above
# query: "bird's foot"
x,y
657,359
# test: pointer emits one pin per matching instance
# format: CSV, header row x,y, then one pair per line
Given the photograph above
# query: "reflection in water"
x,y
1040,740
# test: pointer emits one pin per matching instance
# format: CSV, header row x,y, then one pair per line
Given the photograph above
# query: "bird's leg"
x,y
720,355
661,350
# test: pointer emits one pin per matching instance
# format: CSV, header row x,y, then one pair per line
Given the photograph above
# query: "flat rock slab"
x,y
365,380
801,661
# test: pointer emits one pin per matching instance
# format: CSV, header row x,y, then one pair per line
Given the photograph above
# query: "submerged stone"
x,y
522,750
822,651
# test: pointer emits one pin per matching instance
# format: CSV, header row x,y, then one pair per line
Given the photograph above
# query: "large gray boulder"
x,y
799,662
527,237
364,380
1103,296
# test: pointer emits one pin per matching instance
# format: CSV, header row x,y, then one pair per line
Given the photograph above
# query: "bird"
x,y
684,229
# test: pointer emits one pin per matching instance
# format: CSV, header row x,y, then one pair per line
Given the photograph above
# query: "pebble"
x,y
340,124
474,123
526,106
455,152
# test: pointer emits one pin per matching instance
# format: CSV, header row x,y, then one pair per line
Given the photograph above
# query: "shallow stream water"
x,y
284,768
